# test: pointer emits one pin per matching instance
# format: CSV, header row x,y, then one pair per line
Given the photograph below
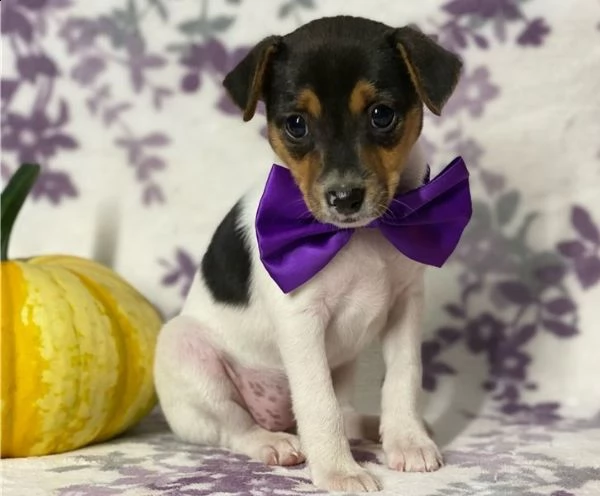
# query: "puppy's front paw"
x,y
353,480
414,457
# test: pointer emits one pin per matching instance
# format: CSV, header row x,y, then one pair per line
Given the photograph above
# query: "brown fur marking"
x,y
257,80
388,163
362,95
304,170
309,102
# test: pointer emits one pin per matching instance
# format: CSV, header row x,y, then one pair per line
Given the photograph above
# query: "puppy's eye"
x,y
383,117
295,127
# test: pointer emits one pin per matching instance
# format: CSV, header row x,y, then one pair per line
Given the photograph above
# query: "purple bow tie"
x,y
424,224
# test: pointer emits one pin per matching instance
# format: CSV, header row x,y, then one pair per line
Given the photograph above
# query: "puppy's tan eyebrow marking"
x,y
309,102
304,169
362,95
388,163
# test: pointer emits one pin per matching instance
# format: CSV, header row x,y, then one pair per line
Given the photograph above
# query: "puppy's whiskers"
x,y
399,202
383,209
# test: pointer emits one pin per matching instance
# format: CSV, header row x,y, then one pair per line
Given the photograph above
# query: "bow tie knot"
x,y
424,224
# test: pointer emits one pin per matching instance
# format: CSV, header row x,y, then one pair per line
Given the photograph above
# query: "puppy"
x,y
245,363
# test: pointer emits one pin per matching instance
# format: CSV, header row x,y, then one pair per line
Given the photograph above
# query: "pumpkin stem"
x,y
12,199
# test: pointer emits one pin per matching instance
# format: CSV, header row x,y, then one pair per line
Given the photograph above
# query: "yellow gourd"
x,y
77,347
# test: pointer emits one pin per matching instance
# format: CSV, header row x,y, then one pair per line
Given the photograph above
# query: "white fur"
x,y
368,291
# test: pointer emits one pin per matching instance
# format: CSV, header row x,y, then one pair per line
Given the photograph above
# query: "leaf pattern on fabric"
x,y
106,86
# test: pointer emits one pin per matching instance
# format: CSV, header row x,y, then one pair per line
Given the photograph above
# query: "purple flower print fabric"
x,y
121,102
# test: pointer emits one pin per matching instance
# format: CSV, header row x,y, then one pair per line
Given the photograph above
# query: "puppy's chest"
x,y
357,291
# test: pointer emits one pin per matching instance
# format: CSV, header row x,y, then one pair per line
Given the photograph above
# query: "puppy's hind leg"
x,y
202,405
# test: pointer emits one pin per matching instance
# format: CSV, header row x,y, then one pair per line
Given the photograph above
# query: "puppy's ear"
x,y
433,70
245,82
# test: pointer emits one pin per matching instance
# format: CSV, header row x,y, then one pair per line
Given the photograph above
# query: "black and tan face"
x,y
344,99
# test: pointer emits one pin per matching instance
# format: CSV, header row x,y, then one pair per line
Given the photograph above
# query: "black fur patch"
x,y
226,264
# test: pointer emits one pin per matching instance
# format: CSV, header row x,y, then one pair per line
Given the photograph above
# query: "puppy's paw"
x,y
272,448
414,457
352,480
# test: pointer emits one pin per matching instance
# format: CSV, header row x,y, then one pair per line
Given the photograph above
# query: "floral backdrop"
x,y
142,153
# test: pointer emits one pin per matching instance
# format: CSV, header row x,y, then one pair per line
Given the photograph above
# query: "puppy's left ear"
x,y
245,82
434,71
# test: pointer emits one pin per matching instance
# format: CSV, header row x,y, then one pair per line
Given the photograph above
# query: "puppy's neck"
x,y
414,171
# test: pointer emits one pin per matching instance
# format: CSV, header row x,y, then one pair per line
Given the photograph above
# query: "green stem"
x,y
12,200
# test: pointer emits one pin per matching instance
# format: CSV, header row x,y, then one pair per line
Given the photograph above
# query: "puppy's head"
x,y
344,99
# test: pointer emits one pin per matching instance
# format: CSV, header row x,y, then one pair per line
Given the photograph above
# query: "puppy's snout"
x,y
345,201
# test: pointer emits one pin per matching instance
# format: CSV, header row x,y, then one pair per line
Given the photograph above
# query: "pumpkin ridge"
x,y
73,321
7,347
120,387
71,427
28,365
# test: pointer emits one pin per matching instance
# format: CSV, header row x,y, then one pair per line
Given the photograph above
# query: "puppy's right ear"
x,y
246,81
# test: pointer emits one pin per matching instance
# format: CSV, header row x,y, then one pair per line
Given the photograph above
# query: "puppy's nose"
x,y
345,200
